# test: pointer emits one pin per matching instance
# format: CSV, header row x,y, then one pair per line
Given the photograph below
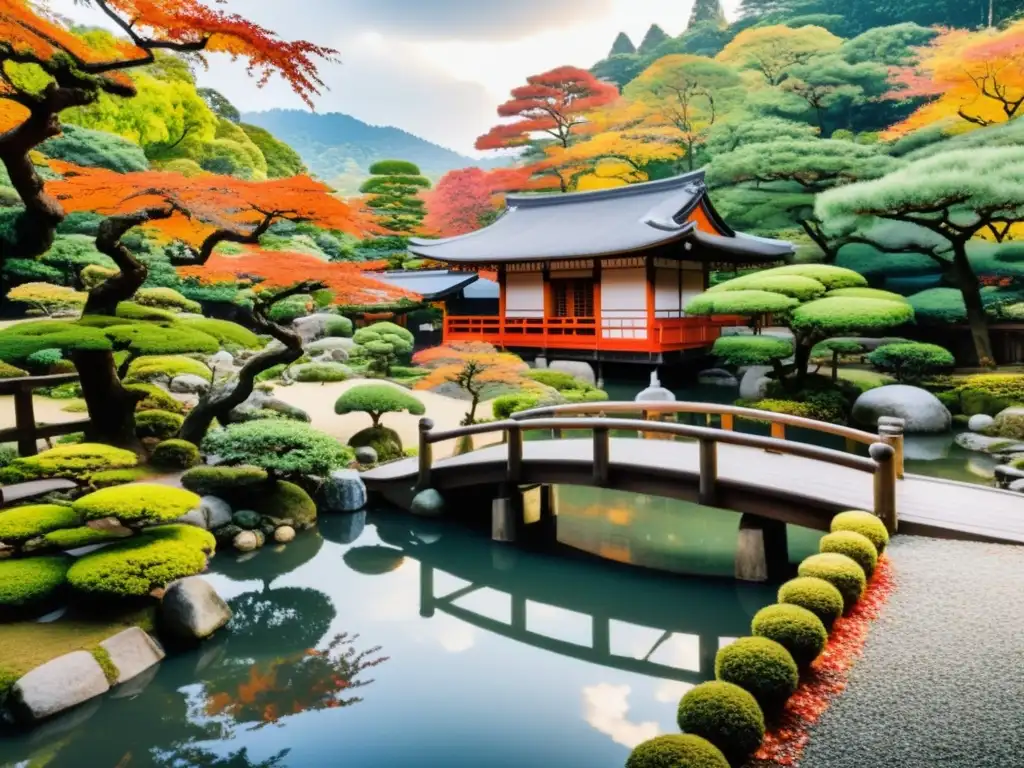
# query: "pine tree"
x,y
622,44
706,11
655,36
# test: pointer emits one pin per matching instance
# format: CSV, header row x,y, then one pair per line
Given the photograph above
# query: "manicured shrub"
x,y
48,299
834,316
138,504
291,308
274,372
821,406
376,400
816,595
283,447
746,302
339,327
44,359
73,538
504,406
175,454
911,361
129,310
559,380
146,339
21,523
150,367
11,372
869,293
863,523
166,298
386,442
736,351
762,667
724,714
74,462
384,344
19,341
324,372
191,535
29,581
154,399
794,628
215,481
8,453
676,750
158,424
223,331
830,276
839,571
855,546
795,286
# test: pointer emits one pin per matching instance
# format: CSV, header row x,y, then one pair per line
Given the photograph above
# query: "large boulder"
x,y
313,327
258,402
1009,423
57,685
192,610
755,381
920,410
343,491
132,651
189,384
581,370
212,512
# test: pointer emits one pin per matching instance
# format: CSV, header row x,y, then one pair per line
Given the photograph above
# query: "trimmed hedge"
x,y
214,481
166,298
282,446
796,629
676,750
322,372
835,316
74,462
863,523
855,546
129,310
339,327
911,361
747,302
830,276
839,571
816,595
158,424
175,454
869,293
138,504
19,341
395,335
761,666
751,350
504,406
795,286
22,523
11,372
724,714
559,380
29,581
146,339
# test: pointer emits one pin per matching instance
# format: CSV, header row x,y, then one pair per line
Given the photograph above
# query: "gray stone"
x,y
1006,475
284,534
221,359
194,517
718,377
343,491
191,609
920,409
133,652
312,327
979,422
216,510
366,455
261,401
246,518
332,344
755,381
247,541
581,370
992,445
1017,486
427,503
58,685
189,384
1009,422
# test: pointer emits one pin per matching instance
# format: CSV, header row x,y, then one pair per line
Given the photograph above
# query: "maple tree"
x,y
46,68
974,77
772,50
469,198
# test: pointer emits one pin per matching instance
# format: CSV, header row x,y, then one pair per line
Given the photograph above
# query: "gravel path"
x,y
941,682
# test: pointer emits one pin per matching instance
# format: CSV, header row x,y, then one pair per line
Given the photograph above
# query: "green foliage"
x,y
555,379
839,571
8,453
282,161
175,454
21,523
911,361
130,310
223,331
18,342
281,500
291,308
855,546
111,477
376,400
283,447
816,595
150,367
74,462
795,286
747,302
724,714
154,399
864,523
395,335
110,670
143,339
676,750
339,327
95,149
84,536
138,504
273,372
216,481
166,298
30,581
830,276
11,372
324,372
796,629
825,406
504,406
762,667
386,442
158,424
842,315
939,305
868,293
44,359
737,351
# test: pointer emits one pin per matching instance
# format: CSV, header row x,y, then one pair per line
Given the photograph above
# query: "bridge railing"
x,y
26,433
881,463
890,430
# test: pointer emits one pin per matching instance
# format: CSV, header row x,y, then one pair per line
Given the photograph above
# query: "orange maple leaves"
x,y
495,367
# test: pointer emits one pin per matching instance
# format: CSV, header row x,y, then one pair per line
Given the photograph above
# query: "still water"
x,y
441,647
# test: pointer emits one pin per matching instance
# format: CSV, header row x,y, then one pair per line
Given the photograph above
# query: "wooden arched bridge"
x,y
766,478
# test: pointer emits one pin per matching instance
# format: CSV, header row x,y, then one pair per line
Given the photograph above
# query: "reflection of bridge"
x,y
769,478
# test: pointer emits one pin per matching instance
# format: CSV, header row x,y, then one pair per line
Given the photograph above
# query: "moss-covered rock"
x,y
11,372
30,581
111,477
385,441
855,546
863,523
74,462
761,666
160,425
138,504
152,398
222,481
223,331
839,571
676,750
22,523
151,367
175,454
724,714
84,536
282,500
796,629
816,595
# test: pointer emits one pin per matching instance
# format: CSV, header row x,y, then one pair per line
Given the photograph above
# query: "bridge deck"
x,y
925,505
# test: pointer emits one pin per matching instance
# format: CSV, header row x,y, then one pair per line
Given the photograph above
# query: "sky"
x,y
436,68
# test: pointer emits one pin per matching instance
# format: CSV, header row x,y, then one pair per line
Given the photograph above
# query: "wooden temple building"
x,y
603,275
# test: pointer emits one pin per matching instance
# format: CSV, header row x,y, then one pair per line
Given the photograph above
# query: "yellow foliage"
x,y
772,50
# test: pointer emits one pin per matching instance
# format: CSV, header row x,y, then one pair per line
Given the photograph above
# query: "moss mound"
x,y
152,398
677,750
11,372
31,581
158,424
281,500
74,462
863,523
72,538
175,454
112,477
150,367
724,714
839,571
138,504
794,628
816,595
855,546
22,523
146,339
284,446
322,372
761,666
216,481
386,442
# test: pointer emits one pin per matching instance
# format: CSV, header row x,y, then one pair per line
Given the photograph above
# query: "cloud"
x,y
605,708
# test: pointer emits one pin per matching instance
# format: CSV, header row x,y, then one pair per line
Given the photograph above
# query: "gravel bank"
x,y
941,682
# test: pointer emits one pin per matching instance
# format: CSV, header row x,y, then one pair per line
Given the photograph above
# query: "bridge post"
x,y
890,432
707,493
602,456
505,510
426,458
885,484
514,468
762,550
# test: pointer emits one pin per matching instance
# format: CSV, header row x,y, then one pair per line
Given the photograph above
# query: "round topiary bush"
x,y
150,367
855,546
30,581
74,462
278,446
376,400
816,595
911,361
863,523
321,372
215,481
762,667
175,454
166,298
22,523
736,351
676,750
794,628
151,339
724,714
339,326
138,504
160,425
839,571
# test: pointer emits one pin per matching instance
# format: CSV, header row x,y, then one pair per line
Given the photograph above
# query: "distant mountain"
x,y
340,149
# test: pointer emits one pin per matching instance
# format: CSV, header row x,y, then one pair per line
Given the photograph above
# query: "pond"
x,y
443,648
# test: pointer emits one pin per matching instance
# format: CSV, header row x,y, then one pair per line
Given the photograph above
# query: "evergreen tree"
x,y
622,44
706,11
393,189
655,36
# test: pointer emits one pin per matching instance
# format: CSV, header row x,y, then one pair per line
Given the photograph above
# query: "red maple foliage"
x,y
469,198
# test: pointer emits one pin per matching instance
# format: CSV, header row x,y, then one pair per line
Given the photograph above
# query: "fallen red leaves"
x,y
784,744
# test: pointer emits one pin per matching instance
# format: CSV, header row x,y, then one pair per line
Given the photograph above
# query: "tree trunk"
x,y
111,406
835,367
104,298
967,282
801,359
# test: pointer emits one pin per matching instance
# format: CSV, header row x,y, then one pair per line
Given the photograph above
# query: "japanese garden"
x,y
676,422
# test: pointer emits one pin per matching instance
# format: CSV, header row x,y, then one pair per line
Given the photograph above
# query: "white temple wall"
x,y
524,294
624,303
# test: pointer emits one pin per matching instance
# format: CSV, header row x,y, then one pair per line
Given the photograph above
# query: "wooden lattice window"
x,y
573,298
